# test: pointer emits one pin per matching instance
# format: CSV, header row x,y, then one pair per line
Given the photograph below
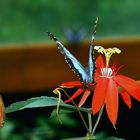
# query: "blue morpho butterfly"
x,y
86,75
73,36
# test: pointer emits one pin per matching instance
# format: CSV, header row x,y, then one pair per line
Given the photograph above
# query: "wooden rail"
x,y
39,67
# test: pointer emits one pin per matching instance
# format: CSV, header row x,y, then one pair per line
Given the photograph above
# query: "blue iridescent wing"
x,y
71,60
91,64
73,36
91,61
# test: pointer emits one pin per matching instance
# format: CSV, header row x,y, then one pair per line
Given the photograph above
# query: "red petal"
x,y
99,95
126,99
77,93
130,85
100,62
71,84
84,97
111,101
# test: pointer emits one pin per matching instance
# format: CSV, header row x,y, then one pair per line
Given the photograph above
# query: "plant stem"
x,y
80,114
97,121
90,122
86,110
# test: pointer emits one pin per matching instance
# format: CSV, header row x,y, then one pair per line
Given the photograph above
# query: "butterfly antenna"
x,y
94,31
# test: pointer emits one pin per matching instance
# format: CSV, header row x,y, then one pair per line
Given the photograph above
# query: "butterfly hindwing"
x,y
74,64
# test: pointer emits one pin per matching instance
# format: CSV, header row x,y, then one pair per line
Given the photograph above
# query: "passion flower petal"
x,y
84,97
77,93
130,85
71,84
99,94
111,101
126,99
100,62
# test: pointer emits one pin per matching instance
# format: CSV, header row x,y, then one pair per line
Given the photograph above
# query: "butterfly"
x,y
86,75
74,37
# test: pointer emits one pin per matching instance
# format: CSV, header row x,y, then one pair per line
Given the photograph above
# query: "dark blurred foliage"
x,y
28,20
36,124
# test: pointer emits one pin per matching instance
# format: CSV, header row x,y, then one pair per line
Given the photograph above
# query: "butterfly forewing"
x,y
72,61
91,65
91,61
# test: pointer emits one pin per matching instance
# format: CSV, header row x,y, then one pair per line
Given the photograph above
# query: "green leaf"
x,y
43,101
111,138
78,138
61,111
84,138
74,108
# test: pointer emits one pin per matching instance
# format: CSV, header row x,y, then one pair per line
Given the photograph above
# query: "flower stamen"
x,y
107,52
106,72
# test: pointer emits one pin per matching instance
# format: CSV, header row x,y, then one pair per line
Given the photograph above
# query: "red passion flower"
x,y
107,86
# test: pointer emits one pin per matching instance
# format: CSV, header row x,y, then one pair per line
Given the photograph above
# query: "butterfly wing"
x,y
71,60
91,64
91,61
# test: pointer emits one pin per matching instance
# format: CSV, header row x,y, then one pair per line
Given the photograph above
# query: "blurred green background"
x,y
28,20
